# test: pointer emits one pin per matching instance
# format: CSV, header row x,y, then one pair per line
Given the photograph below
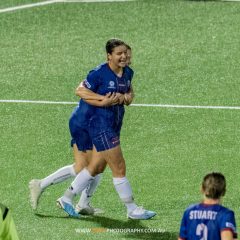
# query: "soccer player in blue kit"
x,y
103,125
209,220
82,148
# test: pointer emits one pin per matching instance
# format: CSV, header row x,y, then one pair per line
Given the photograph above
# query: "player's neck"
x,y
116,69
210,201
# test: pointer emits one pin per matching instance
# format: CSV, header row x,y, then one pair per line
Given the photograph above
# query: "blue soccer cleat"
x,y
67,207
141,214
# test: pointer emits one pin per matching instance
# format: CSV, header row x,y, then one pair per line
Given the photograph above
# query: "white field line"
x,y
11,9
133,105
93,1
186,106
38,102
230,0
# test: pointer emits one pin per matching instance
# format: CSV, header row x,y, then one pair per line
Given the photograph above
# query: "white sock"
x,y
89,191
80,182
124,190
59,176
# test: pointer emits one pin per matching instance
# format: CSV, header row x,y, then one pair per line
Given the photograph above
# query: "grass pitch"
x,y
184,53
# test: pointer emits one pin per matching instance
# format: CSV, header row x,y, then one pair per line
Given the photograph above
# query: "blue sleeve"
x,y
132,73
183,227
92,81
228,223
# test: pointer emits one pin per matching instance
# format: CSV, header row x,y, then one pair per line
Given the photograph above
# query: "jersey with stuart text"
x,y
206,222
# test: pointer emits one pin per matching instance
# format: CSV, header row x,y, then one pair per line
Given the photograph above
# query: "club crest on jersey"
x,y
111,84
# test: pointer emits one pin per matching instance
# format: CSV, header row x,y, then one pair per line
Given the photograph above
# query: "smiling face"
x,y
118,57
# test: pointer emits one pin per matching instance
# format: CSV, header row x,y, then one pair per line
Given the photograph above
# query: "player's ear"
x,y
109,56
201,190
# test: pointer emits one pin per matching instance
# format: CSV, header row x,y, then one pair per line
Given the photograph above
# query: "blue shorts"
x,y
80,135
105,140
105,135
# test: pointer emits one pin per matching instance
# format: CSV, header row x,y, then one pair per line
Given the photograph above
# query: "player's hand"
x,y
128,98
111,99
120,98
107,100
115,98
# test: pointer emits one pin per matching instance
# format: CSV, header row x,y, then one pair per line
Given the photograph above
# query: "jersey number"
x,y
202,230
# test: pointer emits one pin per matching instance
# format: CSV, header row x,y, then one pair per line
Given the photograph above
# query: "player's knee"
x,y
95,169
122,167
79,166
119,171
92,170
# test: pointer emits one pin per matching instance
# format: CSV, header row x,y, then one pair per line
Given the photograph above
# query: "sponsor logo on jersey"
x,y
111,84
230,225
87,84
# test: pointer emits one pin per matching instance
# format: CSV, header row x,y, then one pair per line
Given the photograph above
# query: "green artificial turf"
x,y
184,53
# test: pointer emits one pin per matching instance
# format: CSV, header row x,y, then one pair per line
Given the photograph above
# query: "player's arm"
x,y
86,94
227,235
228,228
183,227
95,99
109,99
128,97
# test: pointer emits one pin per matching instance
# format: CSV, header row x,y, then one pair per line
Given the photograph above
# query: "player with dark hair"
x,y
81,156
82,149
103,127
209,220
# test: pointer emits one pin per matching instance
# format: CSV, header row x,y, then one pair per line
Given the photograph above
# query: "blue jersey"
x,y
103,80
206,222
